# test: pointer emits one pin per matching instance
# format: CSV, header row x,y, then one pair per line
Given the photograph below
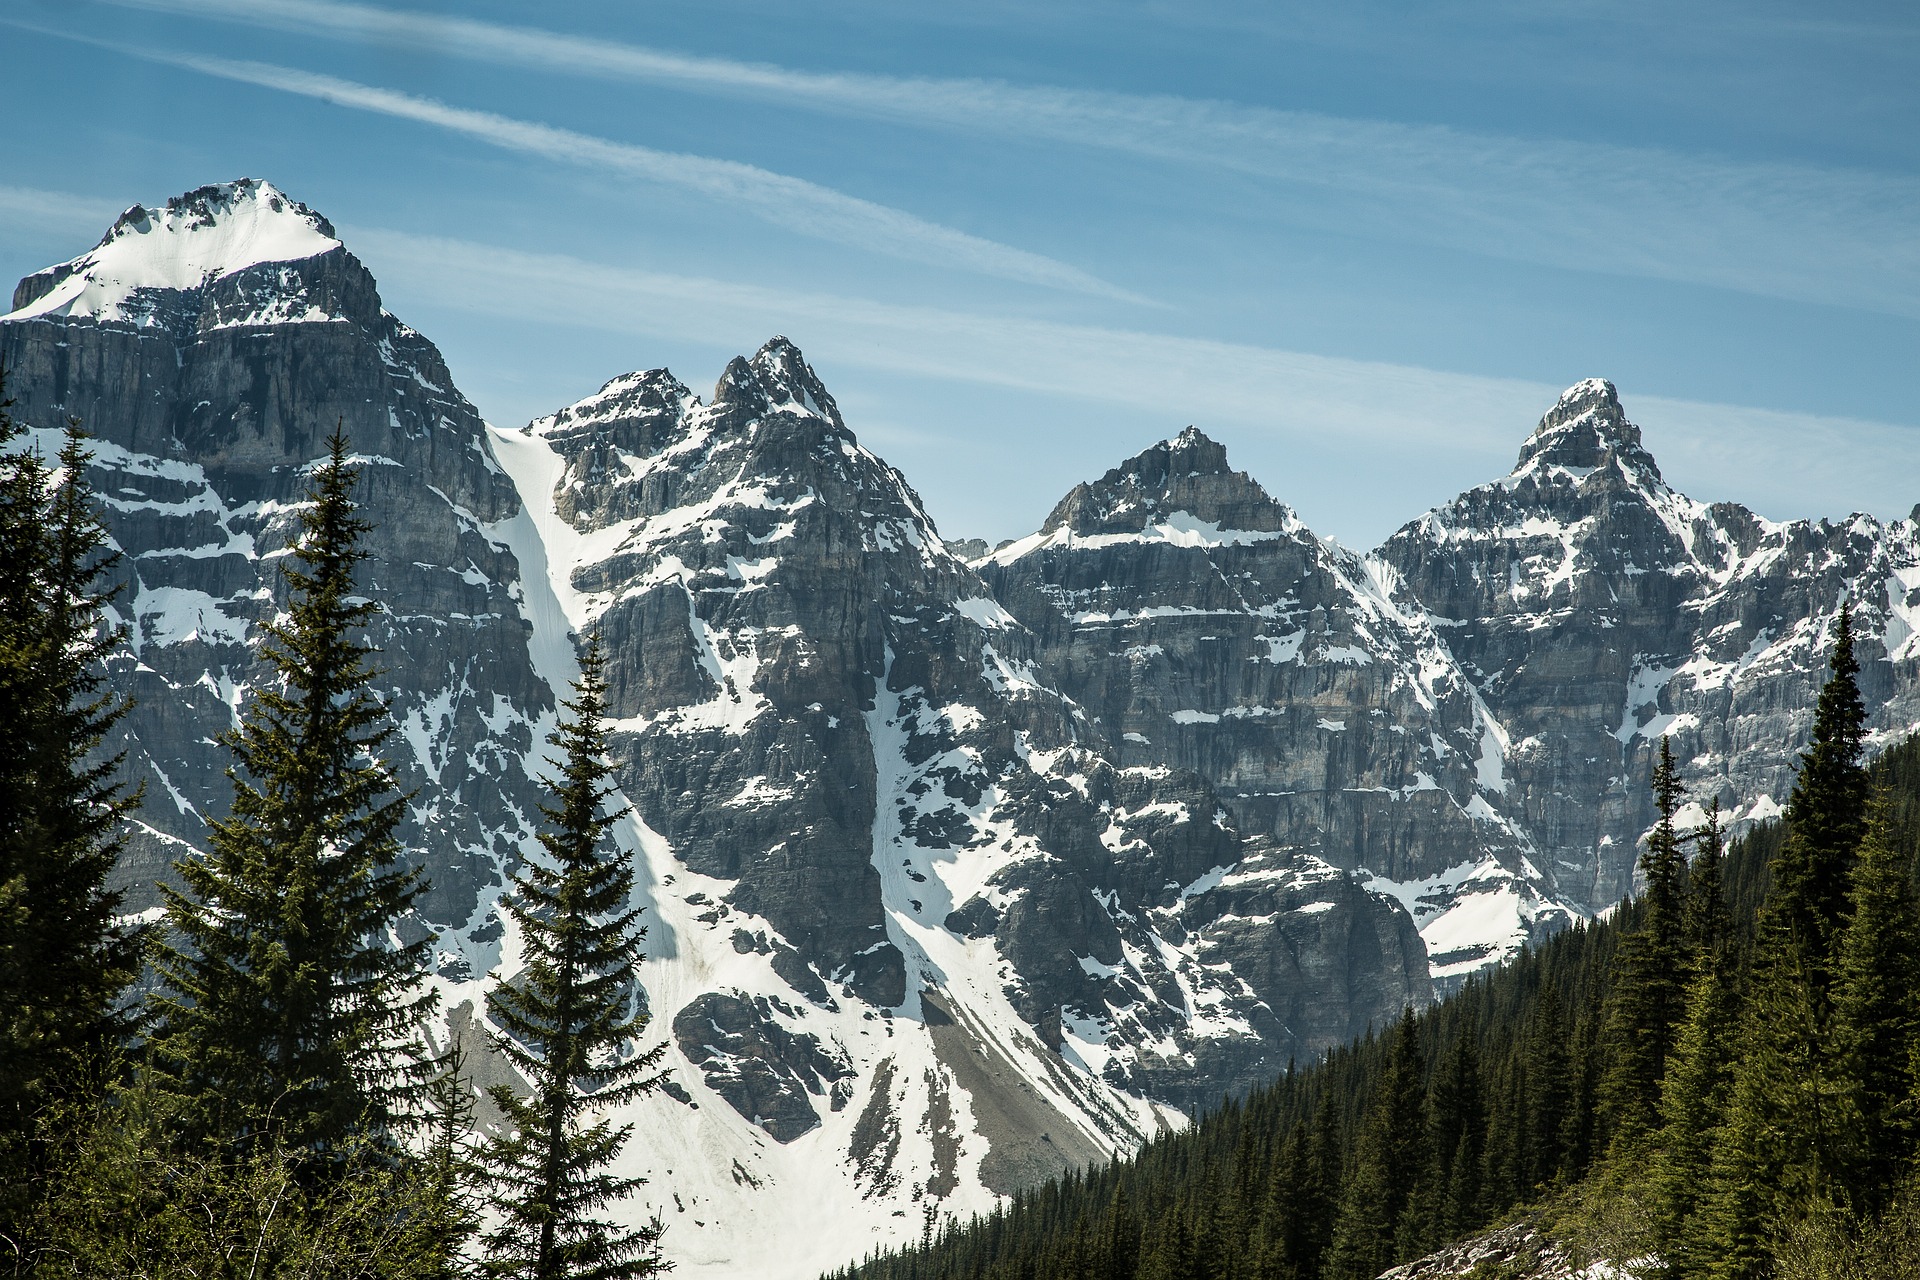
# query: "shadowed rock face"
x,y
207,405
763,1070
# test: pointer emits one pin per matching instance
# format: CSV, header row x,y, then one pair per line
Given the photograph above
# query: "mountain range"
x,y
963,865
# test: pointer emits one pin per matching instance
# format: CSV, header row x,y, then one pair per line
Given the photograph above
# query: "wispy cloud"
x,y
1379,418
32,209
1831,236
792,203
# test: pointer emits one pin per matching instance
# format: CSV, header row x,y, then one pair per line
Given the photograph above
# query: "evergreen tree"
x,y
1826,817
1120,1238
1375,1225
1694,1094
1549,1091
1693,1102
571,1022
1773,1157
1650,992
288,1017
1876,1015
1780,1151
1709,923
1457,1120
64,961
447,1168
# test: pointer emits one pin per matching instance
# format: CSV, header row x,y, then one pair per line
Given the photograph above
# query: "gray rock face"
x,y
762,1069
1596,610
1469,715
1205,628
208,403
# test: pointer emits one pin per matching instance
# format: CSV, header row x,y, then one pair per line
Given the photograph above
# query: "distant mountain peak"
x,y
1188,474
1583,430
204,235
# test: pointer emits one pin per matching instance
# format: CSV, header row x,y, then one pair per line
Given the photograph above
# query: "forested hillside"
x,y
1721,1062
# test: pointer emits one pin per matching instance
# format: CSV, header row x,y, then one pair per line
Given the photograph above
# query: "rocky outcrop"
x,y
1517,1252
765,1072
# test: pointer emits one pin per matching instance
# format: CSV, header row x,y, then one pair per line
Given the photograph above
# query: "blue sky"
x,y
1362,246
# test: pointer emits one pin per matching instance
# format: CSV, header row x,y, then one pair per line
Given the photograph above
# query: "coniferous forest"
x,y
1720,1081
247,1087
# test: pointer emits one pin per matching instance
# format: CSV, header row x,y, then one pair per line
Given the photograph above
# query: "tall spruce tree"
x,y
448,1171
1693,1104
1694,1092
1649,993
1709,922
571,1022
64,961
1378,1213
1826,818
289,1018
1781,1153
1876,1022
1456,1125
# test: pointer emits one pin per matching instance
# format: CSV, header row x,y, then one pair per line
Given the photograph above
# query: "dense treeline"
x,y
1717,1077
274,1105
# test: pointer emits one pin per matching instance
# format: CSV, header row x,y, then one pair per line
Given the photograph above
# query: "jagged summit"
x,y
777,377
1584,430
1184,485
205,235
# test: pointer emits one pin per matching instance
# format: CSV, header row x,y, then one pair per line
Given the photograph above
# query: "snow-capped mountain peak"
x,y
193,240
1180,490
1584,431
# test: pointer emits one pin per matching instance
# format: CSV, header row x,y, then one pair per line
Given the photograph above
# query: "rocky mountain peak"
x,y
1187,476
776,378
1584,430
206,235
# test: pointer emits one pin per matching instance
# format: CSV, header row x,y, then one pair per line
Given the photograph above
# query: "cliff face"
x,y
1205,628
827,711
1467,717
